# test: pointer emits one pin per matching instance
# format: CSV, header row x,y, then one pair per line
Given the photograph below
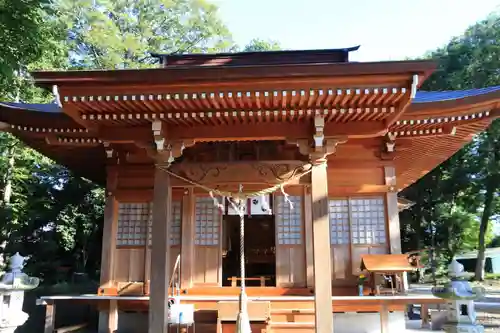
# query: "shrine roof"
x,y
262,71
49,107
421,97
253,91
255,57
440,96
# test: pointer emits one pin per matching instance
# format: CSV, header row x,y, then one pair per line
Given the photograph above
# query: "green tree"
x,y
469,61
50,214
259,45
112,34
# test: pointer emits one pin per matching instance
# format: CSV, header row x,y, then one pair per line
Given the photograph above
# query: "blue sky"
x,y
385,29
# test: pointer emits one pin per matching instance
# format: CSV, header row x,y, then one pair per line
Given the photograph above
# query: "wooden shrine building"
x,y
338,139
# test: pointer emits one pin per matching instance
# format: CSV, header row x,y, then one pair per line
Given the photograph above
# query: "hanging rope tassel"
x,y
242,321
286,197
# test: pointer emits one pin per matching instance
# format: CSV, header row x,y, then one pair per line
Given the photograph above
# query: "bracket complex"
x,y
107,148
158,134
390,142
168,150
323,146
320,146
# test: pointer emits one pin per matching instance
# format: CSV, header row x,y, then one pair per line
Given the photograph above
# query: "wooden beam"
x,y
392,210
50,317
73,112
321,250
239,132
272,131
160,253
125,134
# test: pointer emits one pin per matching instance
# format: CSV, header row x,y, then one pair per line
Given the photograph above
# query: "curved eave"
x,y
449,103
437,125
87,162
36,116
31,123
425,153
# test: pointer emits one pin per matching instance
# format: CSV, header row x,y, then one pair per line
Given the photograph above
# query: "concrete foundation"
x,y
367,322
343,322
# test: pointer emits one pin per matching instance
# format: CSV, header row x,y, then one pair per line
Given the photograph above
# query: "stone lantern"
x,y
460,297
12,287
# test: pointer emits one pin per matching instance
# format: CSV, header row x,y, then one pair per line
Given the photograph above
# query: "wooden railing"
x,y
174,285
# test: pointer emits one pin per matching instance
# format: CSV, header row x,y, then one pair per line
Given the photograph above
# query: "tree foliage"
x,y
110,34
469,182
259,45
53,216
56,218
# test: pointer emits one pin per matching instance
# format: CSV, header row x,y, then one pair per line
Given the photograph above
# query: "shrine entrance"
x,y
260,251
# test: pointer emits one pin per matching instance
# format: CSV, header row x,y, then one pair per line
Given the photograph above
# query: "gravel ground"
x,y
490,321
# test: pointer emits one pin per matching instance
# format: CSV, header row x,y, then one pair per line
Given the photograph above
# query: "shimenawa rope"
x,y
240,194
238,202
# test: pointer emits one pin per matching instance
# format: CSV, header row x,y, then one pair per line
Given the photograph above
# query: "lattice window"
x,y
289,220
175,228
132,224
207,222
368,220
339,221
175,231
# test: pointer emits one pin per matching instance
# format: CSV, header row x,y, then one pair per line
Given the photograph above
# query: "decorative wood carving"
x,y
271,173
228,152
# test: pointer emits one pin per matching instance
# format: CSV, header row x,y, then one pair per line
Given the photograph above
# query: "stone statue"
x,y
12,287
461,315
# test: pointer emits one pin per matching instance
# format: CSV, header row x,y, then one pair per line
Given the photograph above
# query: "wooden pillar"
x,y
187,241
392,211
50,316
424,314
107,322
109,231
308,229
384,318
321,250
147,263
113,315
160,245
393,218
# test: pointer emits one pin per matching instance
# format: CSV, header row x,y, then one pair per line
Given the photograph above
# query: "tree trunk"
x,y
7,194
491,186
